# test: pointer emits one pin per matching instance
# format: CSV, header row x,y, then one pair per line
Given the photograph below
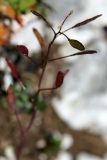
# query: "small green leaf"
x,y
30,110
76,44
53,144
41,105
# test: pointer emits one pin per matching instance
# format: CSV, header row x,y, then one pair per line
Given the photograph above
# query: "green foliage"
x,y
53,144
41,104
22,99
23,102
22,6
3,103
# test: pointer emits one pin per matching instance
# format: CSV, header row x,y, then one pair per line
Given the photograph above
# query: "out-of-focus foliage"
x,y
12,10
4,34
23,100
53,144
22,6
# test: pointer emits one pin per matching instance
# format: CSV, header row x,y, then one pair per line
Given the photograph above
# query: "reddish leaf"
x,y
59,79
14,70
23,50
39,38
11,98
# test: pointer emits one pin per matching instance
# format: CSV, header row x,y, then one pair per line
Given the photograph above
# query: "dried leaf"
x,y
23,50
40,16
84,52
76,44
39,38
5,32
7,11
11,13
86,21
75,54
43,18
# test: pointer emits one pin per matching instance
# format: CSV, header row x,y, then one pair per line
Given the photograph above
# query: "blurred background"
x,y
74,125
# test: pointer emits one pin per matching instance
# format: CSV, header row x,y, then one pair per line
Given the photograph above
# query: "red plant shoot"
x,y
60,75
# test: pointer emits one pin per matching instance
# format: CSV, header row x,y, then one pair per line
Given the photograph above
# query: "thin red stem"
x,y
46,61
75,54
40,81
68,15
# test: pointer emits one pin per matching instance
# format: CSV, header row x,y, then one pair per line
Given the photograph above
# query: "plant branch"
x,y
33,113
19,123
83,23
75,54
68,15
31,120
46,61
40,81
51,60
